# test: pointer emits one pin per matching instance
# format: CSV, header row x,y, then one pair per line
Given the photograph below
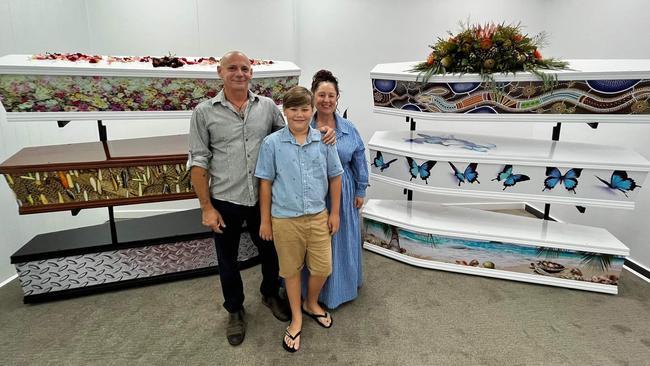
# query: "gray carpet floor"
x,y
404,315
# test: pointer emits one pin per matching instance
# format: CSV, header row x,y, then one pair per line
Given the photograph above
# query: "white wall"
x,y
264,29
348,37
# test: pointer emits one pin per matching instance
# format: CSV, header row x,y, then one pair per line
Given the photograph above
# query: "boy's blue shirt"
x,y
300,173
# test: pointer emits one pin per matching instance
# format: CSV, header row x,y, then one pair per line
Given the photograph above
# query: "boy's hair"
x,y
297,96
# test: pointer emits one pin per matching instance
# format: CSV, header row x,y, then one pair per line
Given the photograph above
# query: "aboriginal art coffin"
x,y
526,170
590,91
489,244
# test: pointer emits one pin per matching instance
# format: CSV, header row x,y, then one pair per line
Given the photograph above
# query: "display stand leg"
x,y
103,137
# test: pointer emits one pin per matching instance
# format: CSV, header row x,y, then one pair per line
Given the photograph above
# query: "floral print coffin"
x,y
117,90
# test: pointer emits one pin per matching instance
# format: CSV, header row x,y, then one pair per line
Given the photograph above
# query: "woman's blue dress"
x,y
346,278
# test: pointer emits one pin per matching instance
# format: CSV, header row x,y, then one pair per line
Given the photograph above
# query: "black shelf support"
x,y
409,192
62,124
103,137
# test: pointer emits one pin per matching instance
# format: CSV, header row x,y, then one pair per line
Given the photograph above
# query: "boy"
x,y
294,169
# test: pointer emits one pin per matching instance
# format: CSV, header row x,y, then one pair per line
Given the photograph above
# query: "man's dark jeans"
x,y
227,245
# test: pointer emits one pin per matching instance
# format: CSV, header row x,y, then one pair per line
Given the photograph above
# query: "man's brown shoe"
x,y
279,307
236,328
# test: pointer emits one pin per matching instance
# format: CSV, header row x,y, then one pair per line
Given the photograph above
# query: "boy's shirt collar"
x,y
313,135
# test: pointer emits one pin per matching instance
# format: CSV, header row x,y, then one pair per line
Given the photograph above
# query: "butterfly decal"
x,y
379,162
423,170
620,181
470,174
510,179
569,179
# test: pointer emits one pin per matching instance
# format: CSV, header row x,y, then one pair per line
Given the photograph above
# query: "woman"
x,y
346,278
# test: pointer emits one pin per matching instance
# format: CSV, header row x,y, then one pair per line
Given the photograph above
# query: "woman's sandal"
x,y
316,317
293,338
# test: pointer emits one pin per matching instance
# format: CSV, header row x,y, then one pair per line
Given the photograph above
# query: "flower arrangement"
x,y
489,49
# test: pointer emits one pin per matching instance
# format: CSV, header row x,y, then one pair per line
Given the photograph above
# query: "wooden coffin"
x,y
495,245
99,174
55,90
590,91
525,170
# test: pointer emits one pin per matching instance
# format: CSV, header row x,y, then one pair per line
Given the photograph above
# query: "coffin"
x,y
148,250
495,245
54,90
524,170
99,174
590,91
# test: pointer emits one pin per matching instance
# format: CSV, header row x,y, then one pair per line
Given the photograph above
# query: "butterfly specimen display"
x,y
508,178
620,181
470,174
379,162
569,179
424,170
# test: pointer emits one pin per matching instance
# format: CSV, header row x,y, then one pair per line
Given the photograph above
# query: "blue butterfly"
x,y
510,179
620,181
554,176
379,162
469,175
424,170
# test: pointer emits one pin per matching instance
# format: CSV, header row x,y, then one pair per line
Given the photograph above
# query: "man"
x,y
225,136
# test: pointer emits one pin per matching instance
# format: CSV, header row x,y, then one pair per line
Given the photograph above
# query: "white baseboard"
x,y
641,276
8,280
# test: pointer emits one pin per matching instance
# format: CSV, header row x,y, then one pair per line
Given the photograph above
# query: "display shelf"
x,y
151,249
589,91
99,174
53,90
495,245
477,166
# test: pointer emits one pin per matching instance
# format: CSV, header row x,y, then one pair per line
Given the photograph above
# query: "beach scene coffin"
x,y
498,245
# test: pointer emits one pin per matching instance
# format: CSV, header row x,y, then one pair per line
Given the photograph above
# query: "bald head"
x,y
235,70
228,56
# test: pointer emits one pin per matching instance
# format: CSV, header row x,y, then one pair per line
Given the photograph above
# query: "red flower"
x,y
518,37
486,43
431,59
537,54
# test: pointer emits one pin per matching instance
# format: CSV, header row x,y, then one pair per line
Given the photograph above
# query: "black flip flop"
x,y
293,338
317,316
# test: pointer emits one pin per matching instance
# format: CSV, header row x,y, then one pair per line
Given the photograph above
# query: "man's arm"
x,y
209,215
335,201
266,230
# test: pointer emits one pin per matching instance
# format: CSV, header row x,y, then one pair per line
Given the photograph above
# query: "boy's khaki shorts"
x,y
300,240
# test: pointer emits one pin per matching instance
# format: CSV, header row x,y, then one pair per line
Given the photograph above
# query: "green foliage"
x,y
487,50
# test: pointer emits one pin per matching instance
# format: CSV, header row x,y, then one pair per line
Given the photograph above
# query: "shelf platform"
x,y
495,245
436,157
591,91
99,174
149,250
54,90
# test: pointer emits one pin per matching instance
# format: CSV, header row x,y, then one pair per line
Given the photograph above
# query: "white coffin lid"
x,y
613,69
24,65
531,152
484,225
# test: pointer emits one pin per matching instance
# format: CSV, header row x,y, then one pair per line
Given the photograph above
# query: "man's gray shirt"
x,y
227,144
